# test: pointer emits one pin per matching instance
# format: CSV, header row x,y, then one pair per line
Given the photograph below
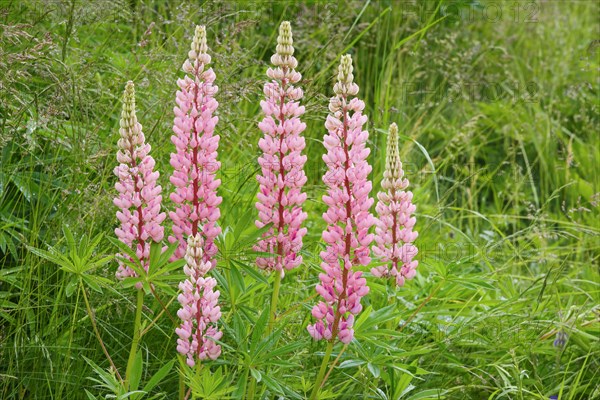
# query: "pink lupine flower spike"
x,y
280,197
394,235
139,197
195,160
349,220
199,310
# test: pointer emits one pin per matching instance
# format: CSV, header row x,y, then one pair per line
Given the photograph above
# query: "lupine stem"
x,y
321,375
137,330
181,383
164,307
252,388
274,300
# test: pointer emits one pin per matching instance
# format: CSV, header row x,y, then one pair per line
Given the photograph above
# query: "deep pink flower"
x,y
348,217
280,196
195,160
199,310
139,196
394,235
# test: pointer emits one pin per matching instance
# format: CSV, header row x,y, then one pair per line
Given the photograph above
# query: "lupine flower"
x,y
348,217
195,160
280,196
561,339
394,236
199,310
139,196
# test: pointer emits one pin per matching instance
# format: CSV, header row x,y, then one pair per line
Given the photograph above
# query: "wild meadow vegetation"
x,y
497,108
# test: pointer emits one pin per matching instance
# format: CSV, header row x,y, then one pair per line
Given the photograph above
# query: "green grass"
x,y
499,119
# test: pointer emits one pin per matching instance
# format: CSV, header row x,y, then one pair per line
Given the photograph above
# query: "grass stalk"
x,y
334,363
95,327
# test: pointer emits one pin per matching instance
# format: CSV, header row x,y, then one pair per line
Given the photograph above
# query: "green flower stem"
x,y
319,380
252,388
274,300
181,379
181,387
137,330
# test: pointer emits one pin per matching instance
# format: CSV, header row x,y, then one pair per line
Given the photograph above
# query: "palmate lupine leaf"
x,y
78,259
161,271
209,385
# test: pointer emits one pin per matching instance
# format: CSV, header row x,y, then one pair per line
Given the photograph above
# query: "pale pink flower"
x,y
394,235
195,160
199,310
349,220
280,196
139,196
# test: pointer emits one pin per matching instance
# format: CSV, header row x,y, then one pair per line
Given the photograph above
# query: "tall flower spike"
x,y
138,196
280,196
195,160
199,310
394,234
348,218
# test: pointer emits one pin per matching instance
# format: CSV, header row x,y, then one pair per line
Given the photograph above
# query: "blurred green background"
x,y
498,108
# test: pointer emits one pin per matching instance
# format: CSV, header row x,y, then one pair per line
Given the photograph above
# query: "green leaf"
x,y
98,263
374,370
288,348
252,272
130,394
166,255
70,241
155,254
158,376
429,394
256,374
92,283
259,328
71,286
131,281
351,363
54,258
237,278
244,222
107,380
273,384
123,248
89,249
164,272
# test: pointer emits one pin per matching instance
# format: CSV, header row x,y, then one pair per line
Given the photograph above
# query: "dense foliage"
x,y
497,107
